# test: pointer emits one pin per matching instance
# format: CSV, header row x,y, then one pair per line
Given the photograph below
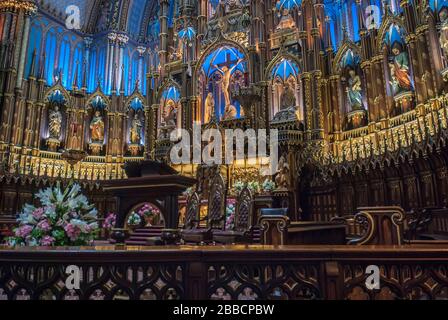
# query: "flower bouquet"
x,y
64,219
254,187
148,212
268,186
110,221
238,186
134,220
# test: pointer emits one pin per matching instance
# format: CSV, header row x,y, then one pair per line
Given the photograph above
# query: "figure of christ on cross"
x,y
226,71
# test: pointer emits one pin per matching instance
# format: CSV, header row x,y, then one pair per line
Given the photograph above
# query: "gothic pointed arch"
x,y
282,54
57,87
385,25
346,45
220,41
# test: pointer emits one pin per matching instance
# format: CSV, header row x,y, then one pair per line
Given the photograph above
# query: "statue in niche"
x,y
354,90
55,123
170,114
443,38
136,130
282,175
209,109
225,81
288,107
288,98
97,128
286,21
399,69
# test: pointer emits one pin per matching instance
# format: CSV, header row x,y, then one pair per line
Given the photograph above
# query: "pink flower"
x,y
110,221
47,241
38,213
72,231
44,226
24,231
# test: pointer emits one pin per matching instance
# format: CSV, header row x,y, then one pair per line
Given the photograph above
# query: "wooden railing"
x,y
236,272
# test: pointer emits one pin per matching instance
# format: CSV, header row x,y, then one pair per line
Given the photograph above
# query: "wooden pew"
x,y
277,229
375,226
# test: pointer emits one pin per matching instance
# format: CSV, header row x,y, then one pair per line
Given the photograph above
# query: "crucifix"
x,y
226,69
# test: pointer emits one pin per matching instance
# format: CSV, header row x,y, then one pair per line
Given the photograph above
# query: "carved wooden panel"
x,y
264,282
243,212
192,212
217,202
99,282
428,190
8,202
398,281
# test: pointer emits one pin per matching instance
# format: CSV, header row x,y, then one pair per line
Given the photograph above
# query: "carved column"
x,y
112,37
366,68
417,68
122,42
24,47
382,105
335,120
141,55
163,52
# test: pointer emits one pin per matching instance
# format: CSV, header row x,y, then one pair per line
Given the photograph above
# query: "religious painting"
x,y
224,71
285,90
169,111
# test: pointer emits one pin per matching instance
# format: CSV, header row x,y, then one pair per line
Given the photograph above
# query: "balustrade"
x,y
228,273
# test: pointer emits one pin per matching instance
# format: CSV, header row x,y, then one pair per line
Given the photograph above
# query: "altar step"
x,y
140,236
256,235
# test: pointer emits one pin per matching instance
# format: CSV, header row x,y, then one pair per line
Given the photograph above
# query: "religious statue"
x,y
55,123
354,90
225,82
97,128
282,176
136,130
170,114
400,75
287,99
209,109
443,38
286,21
230,112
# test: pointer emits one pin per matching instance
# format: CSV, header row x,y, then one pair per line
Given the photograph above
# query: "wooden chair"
x,y
215,218
192,231
242,229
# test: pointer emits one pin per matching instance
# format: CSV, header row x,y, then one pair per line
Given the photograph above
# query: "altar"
x,y
149,182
